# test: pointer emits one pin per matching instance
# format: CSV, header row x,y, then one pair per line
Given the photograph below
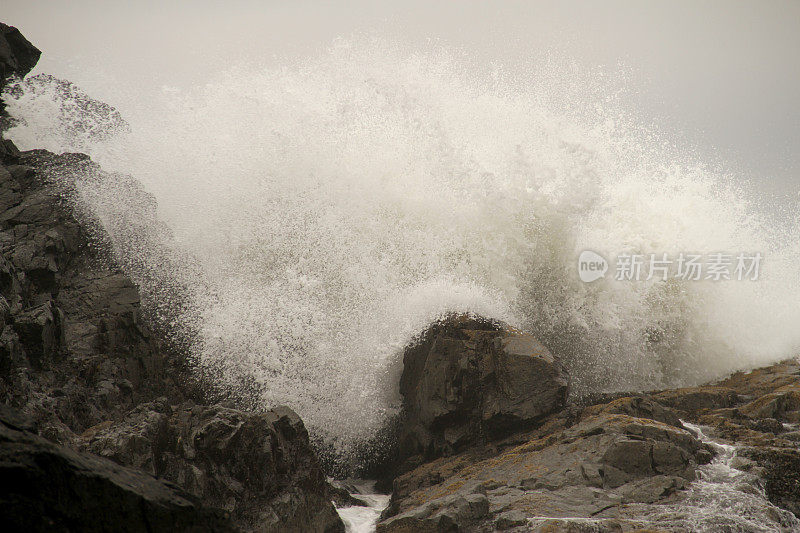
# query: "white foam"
x,y
336,206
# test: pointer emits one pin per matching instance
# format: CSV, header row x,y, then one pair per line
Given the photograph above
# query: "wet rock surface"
x,y
618,463
468,381
586,469
259,467
47,487
76,349
79,356
100,415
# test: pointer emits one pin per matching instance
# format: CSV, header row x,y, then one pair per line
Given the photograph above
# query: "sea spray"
x,y
321,214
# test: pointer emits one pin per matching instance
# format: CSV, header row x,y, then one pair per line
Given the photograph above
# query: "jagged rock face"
x,y
17,55
468,381
77,354
497,448
46,487
260,467
75,349
80,359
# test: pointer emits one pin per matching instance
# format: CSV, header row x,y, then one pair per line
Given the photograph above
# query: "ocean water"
x,y
362,519
722,499
323,212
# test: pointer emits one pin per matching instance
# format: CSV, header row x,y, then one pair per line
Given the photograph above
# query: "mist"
x,y
721,76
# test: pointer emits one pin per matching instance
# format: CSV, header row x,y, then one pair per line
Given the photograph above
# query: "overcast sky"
x,y
726,74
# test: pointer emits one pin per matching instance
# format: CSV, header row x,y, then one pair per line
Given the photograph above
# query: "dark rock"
x,y
80,358
696,399
768,425
781,474
40,332
622,462
704,457
91,368
640,407
134,441
9,190
510,519
773,405
16,420
260,467
468,380
17,55
595,465
342,494
449,513
70,314
52,488
9,153
652,489
17,58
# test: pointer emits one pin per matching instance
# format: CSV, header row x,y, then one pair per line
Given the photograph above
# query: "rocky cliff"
x,y
103,428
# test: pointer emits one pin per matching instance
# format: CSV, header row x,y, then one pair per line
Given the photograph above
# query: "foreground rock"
x,y
17,55
78,355
615,463
46,487
259,467
588,469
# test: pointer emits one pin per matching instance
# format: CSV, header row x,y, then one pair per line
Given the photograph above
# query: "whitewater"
x,y
323,212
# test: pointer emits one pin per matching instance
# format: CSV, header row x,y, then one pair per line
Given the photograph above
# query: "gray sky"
x,y
724,74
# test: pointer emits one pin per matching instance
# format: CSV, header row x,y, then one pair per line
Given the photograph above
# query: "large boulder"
x,y
258,466
469,380
46,487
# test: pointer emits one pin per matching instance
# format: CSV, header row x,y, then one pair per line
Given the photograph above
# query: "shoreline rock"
x,y
47,487
87,368
614,463
259,467
79,356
